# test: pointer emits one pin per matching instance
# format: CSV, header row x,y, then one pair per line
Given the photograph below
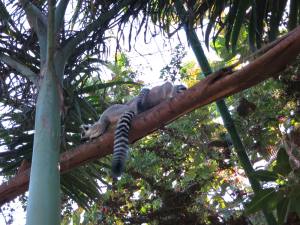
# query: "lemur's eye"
x,y
181,88
84,127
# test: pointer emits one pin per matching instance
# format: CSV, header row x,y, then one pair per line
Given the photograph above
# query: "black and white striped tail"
x,y
121,147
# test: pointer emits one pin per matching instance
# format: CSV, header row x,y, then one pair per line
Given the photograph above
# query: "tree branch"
x,y
60,13
72,42
216,86
21,68
34,16
51,33
38,22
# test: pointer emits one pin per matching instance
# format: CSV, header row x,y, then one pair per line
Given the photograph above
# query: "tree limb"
x,y
216,86
21,68
51,33
60,13
38,22
34,16
72,42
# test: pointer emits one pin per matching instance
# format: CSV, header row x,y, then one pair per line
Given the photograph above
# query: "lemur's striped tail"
x,y
121,147
121,143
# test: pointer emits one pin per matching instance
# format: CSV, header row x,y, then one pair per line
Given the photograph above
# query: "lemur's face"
x,y
85,132
180,88
89,132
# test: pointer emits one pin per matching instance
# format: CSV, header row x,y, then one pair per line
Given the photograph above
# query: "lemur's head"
x,y
180,88
89,132
85,132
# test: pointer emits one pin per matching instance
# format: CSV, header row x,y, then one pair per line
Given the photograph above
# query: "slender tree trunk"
x,y
44,186
223,109
44,197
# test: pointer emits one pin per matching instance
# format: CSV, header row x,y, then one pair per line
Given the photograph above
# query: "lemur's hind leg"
x,y
141,107
121,142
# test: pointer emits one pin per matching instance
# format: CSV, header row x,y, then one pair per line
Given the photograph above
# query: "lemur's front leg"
x,y
90,132
141,100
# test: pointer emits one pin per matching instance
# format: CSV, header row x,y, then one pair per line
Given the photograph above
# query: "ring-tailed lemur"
x,y
154,97
111,115
123,113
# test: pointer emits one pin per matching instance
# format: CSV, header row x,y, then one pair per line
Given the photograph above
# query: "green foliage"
x,y
267,198
265,175
282,163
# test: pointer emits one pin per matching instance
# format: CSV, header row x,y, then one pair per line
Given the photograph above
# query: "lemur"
x,y
111,115
124,113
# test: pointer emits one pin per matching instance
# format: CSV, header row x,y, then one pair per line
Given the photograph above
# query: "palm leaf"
x,y
230,18
277,8
4,15
241,12
252,28
293,15
261,11
219,6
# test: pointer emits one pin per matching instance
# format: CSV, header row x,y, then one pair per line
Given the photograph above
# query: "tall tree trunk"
x,y
44,186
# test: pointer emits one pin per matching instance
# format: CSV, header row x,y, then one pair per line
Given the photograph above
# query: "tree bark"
x,y
44,187
217,86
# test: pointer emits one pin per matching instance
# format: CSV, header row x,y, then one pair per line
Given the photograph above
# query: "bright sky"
x,y
150,58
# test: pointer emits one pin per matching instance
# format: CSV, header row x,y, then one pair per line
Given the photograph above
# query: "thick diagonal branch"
x,y
21,68
214,87
60,13
35,17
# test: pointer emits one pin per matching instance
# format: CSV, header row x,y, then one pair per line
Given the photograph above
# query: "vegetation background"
x,y
193,171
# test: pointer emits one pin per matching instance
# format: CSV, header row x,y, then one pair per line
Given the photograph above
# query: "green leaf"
x,y
293,15
243,5
4,15
282,210
76,13
252,29
261,10
264,175
230,21
143,210
219,5
278,7
76,219
87,110
264,199
95,87
295,204
282,163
